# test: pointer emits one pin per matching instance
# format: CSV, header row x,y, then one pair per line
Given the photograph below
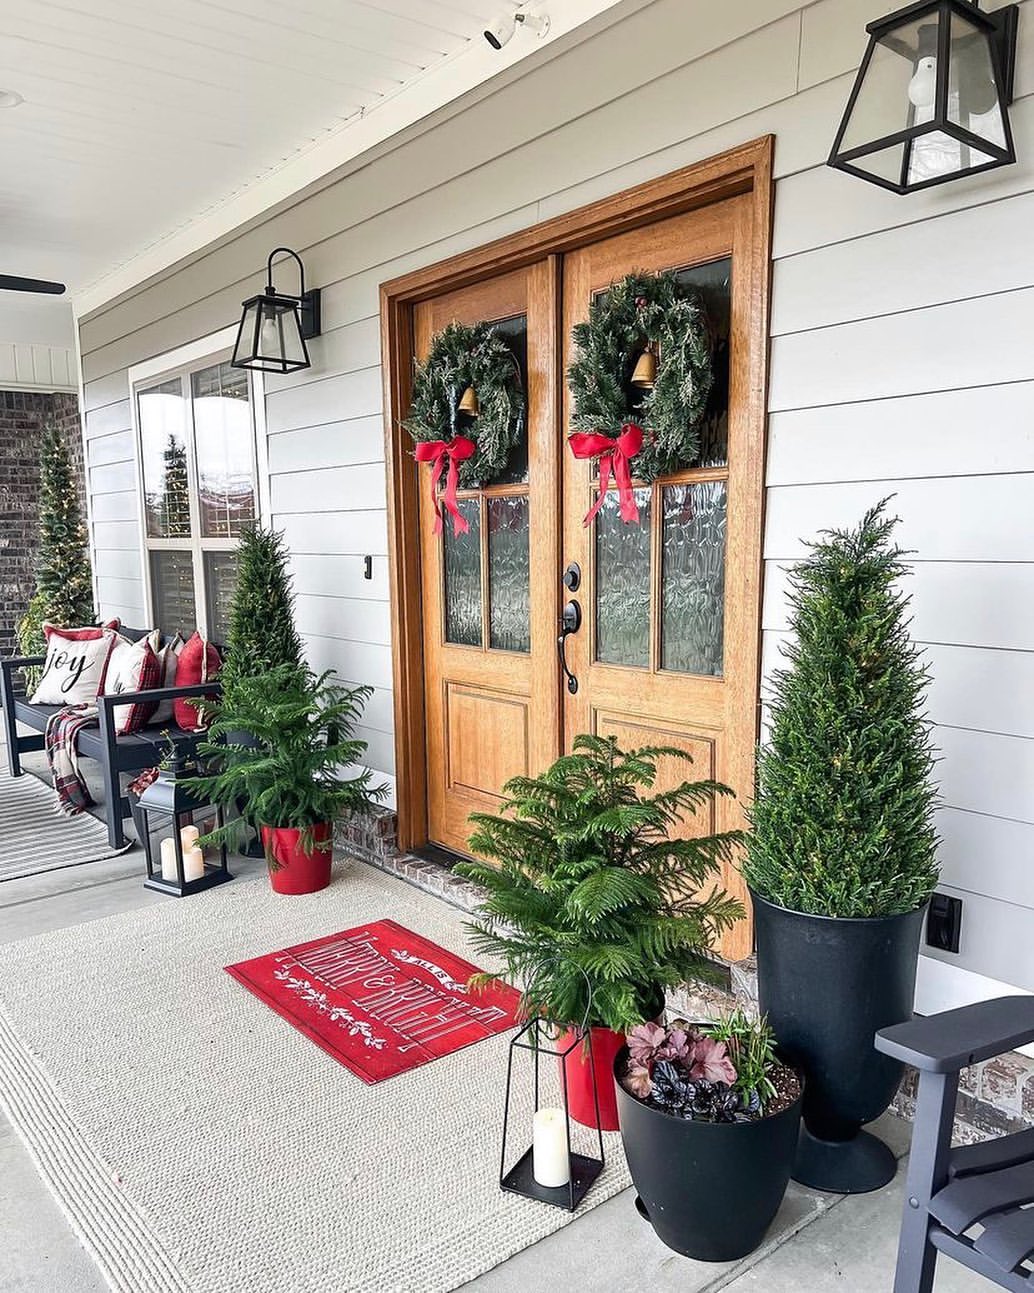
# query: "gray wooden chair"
x,y
967,1203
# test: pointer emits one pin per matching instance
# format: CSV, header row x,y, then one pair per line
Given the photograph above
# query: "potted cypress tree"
x,y
594,905
293,774
841,859
261,634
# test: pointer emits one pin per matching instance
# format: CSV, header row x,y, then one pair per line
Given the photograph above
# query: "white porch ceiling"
x,y
150,127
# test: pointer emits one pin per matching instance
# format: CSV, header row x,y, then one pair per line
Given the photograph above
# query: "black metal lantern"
x,y
532,1174
174,820
274,326
931,99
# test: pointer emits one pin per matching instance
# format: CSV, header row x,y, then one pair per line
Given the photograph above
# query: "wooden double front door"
x,y
663,616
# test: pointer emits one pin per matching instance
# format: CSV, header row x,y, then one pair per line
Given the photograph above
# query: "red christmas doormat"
x,y
379,998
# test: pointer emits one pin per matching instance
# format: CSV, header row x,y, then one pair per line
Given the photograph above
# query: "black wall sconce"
x,y
275,326
931,99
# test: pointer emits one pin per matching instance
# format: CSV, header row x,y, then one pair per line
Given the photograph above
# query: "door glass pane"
x,y
623,583
225,460
508,596
172,590
463,577
163,443
714,283
515,333
220,581
693,577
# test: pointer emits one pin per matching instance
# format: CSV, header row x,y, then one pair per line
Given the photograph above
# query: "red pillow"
x,y
198,662
89,634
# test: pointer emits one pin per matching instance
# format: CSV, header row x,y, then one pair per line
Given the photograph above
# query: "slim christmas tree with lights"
x,y
64,582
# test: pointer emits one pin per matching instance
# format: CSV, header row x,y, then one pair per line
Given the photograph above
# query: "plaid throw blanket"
x,y
73,797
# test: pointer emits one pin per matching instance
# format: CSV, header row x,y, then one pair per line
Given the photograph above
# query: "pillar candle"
x,y
551,1164
169,860
193,863
189,836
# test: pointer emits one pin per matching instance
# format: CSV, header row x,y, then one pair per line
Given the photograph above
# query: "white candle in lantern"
x,y
551,1164
193,863
189,836
169,860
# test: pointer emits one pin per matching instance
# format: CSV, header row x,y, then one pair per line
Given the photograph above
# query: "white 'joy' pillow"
x,y
73,673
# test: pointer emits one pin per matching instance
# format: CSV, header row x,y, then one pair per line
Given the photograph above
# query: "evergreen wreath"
x,y
641,310
463,356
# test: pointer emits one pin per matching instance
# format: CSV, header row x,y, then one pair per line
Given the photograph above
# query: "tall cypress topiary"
x,y
843,817
64,582
262,634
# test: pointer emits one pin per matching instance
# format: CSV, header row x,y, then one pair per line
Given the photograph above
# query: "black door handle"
x,y
570,622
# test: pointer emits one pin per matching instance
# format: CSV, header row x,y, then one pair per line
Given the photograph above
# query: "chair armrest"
x,y
953,1040
7,669
156,694
19,661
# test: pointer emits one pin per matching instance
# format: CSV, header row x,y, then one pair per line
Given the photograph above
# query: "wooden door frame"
x,y
746,169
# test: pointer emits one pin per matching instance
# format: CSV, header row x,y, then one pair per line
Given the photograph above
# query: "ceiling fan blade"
x,y
12,283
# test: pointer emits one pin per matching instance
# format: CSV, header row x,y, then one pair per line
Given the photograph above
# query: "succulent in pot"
x,y
595,904
292,772
841,860
709,1118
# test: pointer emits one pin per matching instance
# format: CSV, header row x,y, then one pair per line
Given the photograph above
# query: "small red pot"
x,y
581,1074
297,871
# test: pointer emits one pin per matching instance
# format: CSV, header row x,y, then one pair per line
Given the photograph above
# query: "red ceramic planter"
x,y
580,1075
296,870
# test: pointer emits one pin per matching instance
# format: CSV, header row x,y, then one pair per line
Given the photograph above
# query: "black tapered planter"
x,y
710,1190
827,985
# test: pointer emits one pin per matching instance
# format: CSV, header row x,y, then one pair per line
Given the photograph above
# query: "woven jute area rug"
x,y
199,1144
35,838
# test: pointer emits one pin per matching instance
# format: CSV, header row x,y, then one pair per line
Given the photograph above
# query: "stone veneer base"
x,y
995,1098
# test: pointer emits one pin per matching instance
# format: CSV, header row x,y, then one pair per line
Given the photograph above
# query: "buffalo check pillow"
x,y
133,666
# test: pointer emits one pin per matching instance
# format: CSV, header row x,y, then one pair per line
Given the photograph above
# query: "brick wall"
x,y
22,416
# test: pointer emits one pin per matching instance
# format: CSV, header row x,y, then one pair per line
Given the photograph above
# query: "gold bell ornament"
x,y
644,375
469,402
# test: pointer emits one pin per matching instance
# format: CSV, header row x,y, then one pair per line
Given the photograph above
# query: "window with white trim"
x,y
198,481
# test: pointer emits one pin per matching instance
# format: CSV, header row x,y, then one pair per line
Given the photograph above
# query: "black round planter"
x,y
710,1190
827,985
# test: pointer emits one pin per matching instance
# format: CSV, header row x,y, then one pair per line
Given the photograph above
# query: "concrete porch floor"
x,y
819,1243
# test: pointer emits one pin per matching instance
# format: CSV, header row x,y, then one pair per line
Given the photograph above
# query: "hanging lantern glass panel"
x,y
930,101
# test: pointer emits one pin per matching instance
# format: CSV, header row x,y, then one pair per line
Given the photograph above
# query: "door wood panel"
x,y
490,713
713,717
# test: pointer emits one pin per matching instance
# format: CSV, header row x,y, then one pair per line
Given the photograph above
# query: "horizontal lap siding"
x,y
901,363
111,476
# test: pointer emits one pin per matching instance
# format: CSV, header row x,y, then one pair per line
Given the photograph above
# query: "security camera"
x,y
501,31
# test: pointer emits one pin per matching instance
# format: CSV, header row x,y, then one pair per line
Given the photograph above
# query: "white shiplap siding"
x,y
902,363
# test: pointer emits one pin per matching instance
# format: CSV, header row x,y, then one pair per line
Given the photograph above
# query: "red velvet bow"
x,y
436,451
612,453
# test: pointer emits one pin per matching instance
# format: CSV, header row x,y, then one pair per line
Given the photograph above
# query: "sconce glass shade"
x,y
269,338
930,101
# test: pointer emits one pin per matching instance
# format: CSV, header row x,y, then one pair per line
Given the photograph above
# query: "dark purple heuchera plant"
x,y
689,1071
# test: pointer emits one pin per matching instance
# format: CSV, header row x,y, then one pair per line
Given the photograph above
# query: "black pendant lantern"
x,y
174,820
275,326
931,99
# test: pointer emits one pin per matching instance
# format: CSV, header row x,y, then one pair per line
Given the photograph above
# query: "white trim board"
x,y
439,86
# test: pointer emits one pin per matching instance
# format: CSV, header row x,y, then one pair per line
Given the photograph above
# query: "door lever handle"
x,y
570,622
